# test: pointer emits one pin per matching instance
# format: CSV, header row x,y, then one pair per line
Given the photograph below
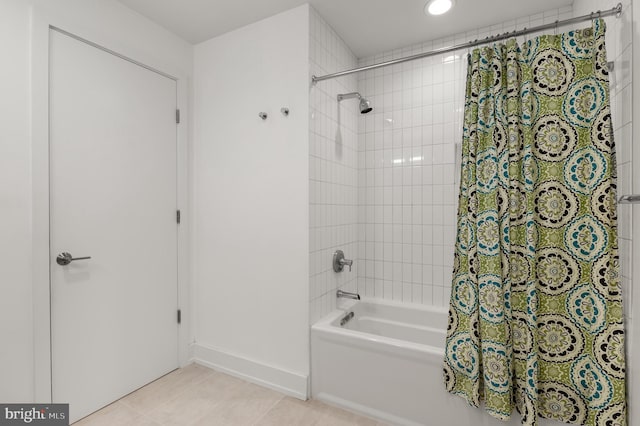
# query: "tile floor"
x,y
196,395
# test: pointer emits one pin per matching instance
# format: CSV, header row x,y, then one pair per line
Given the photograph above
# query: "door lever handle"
x,y
65,258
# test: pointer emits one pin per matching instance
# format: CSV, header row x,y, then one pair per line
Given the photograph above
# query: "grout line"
x,y
197,381
269,410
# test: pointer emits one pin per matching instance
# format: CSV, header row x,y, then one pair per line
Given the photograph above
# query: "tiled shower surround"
x,y
406,194
404,173
333,163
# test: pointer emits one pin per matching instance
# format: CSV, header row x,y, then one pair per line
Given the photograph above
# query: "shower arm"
x,y
349,96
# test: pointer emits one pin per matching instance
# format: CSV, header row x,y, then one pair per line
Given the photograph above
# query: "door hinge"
x,y
178,216
177,116
179,316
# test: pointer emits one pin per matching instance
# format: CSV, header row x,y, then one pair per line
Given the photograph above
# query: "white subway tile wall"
x,y
407,150
333,163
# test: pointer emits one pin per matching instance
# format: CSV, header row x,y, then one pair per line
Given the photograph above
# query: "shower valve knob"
x,y
339,261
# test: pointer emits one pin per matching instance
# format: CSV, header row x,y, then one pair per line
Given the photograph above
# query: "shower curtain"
x,y
535,318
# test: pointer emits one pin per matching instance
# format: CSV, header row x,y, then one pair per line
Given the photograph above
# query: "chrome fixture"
x,y
339,261
365,105
347,295
617,11
65,258
262,115
629,199
346,318
284,111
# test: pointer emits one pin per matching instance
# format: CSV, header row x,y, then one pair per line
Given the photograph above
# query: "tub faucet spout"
x,y
347,295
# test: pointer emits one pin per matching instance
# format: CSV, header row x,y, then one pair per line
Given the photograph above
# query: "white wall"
x,y
16,324
251,243
107,22
333,169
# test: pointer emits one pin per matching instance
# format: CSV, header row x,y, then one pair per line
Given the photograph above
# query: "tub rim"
x,y
325,324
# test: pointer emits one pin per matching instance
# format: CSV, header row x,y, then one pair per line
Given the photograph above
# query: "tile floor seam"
x,y
144,416
125,403
214,405
175,397
147,414
267,411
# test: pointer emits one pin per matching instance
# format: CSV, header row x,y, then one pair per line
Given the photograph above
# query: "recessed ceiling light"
x,y
438,7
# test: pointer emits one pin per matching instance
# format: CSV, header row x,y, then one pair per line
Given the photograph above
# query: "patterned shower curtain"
x,y
535,318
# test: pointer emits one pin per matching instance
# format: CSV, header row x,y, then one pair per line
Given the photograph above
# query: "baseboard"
x,y
287,382
190,356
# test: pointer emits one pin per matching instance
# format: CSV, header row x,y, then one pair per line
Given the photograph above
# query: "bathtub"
x,y
386,363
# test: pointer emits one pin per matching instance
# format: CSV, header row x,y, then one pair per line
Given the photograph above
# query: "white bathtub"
x,y
386,362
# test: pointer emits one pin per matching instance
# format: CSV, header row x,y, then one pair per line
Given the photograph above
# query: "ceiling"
x,y
367,26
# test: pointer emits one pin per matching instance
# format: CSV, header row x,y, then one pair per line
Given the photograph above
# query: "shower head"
x,y
365,104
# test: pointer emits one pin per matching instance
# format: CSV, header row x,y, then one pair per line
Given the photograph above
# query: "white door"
x,y
113,198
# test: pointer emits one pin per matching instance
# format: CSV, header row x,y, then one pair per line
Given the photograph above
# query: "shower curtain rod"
x,y
617,11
